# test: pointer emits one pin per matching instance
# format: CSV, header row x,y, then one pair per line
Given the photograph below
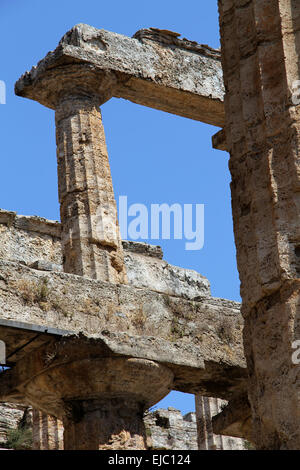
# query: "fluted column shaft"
x,y
47,432
105,424
260,57
91,239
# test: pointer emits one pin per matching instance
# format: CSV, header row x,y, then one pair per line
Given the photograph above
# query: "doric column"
x,y
91,239
47,432
105,424
100,400
260,56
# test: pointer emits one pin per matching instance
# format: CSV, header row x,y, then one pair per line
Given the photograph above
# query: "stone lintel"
x,y
165,73
200,340
235,419
219,140
191,374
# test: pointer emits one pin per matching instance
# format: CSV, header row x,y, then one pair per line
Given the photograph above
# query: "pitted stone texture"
x,y
168,429
105,424
28,239
100,400
37,244
10,417
205,335
91,241
41,265
140,248
158,275
260,57
183,77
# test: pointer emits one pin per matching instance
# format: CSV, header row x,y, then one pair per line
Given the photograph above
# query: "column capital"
x,y
100,399
53,85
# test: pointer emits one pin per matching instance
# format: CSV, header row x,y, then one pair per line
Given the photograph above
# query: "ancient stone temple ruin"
x,y
98,330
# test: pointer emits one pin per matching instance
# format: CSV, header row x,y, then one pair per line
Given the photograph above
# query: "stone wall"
x,y
168,429
36,242
10,417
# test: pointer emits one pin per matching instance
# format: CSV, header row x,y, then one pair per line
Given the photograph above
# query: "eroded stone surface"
x,y
158,275
260,58
91,241
10,417
206,333
168,429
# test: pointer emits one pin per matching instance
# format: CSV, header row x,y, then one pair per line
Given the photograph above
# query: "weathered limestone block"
x,y
10,417
154,251
260,57
168,429
91,241
102,408
157,275
28,239
219,140
155,69
45,266
203,336
39,247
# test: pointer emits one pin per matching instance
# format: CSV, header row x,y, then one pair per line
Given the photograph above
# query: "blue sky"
x,y
155,157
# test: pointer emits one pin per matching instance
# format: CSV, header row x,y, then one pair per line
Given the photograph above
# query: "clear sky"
x,y
155,157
